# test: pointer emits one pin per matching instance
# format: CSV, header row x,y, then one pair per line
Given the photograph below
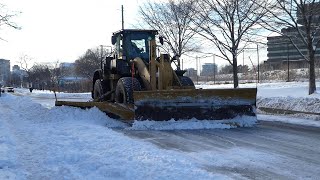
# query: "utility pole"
x,y
258,63
101,55
182,64
122,19
243,59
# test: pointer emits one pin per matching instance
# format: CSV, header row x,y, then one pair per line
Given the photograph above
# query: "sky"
x,y
61,31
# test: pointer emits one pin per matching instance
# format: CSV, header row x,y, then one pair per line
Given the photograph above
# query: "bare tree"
x,y
88,63
25,61
173,20
55,73
40,76
298,20
6,18
230,25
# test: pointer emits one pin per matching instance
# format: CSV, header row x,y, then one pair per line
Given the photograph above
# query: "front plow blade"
x,y
202,104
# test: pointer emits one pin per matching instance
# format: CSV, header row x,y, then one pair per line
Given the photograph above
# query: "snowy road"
x,y
291,151
37,142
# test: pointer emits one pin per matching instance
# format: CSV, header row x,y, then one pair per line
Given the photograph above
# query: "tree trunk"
x,y
312,75
235,72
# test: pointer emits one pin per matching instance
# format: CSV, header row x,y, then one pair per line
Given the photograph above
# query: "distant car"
x,y
10,89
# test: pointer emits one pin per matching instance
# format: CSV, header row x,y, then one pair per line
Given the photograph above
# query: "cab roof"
x,y
125,31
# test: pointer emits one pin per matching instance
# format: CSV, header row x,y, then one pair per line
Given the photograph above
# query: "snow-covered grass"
x,y
50,94
281,95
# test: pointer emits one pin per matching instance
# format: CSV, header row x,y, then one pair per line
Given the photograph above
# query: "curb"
x,y
284,111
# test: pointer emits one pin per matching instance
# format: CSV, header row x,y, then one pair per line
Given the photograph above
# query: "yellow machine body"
x,y
167,96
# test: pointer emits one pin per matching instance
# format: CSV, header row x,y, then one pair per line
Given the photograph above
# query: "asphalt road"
x,y
271,150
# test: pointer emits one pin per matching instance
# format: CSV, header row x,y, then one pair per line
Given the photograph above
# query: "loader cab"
x,y
130,44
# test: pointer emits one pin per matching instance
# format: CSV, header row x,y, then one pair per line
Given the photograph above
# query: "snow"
x,y
40,141
50,94
70,143
282,95
291,120
245,121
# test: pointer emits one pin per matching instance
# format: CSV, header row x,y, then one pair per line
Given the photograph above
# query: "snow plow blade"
x,y
114,110
202,104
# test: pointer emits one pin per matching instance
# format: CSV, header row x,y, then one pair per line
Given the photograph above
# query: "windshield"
x,y
138,45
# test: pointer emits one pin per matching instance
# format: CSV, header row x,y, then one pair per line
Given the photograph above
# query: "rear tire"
x,y
97,90
186,81
125,88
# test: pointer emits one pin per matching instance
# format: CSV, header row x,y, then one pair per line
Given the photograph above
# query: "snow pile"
x,y
289,96
282,95
70,143
244,121
7,152
291,103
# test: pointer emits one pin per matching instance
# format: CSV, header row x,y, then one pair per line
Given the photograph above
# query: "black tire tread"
x,y
186,81
97,91
127,85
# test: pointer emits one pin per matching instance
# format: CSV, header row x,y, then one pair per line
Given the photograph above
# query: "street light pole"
x,y
197,69
122,18
288,63
101,56
214,69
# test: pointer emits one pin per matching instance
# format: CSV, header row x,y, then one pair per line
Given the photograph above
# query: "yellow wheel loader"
x,y
135,84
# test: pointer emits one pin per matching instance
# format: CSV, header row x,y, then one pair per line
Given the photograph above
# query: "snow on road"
x,y
43,142
70,143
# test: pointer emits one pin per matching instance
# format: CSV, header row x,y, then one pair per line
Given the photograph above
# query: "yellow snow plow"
x,y
134,84
201,104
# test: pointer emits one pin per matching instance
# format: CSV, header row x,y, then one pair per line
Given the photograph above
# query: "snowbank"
x,y
282,95
245,121
71,143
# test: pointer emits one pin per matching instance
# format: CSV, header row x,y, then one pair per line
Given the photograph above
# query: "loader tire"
x,y
125,88
97,90
186,81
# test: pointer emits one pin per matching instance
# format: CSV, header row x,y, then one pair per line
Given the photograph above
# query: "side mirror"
x,y
161,40
113,39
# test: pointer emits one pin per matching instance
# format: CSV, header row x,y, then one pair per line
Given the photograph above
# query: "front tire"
x,y
125,88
